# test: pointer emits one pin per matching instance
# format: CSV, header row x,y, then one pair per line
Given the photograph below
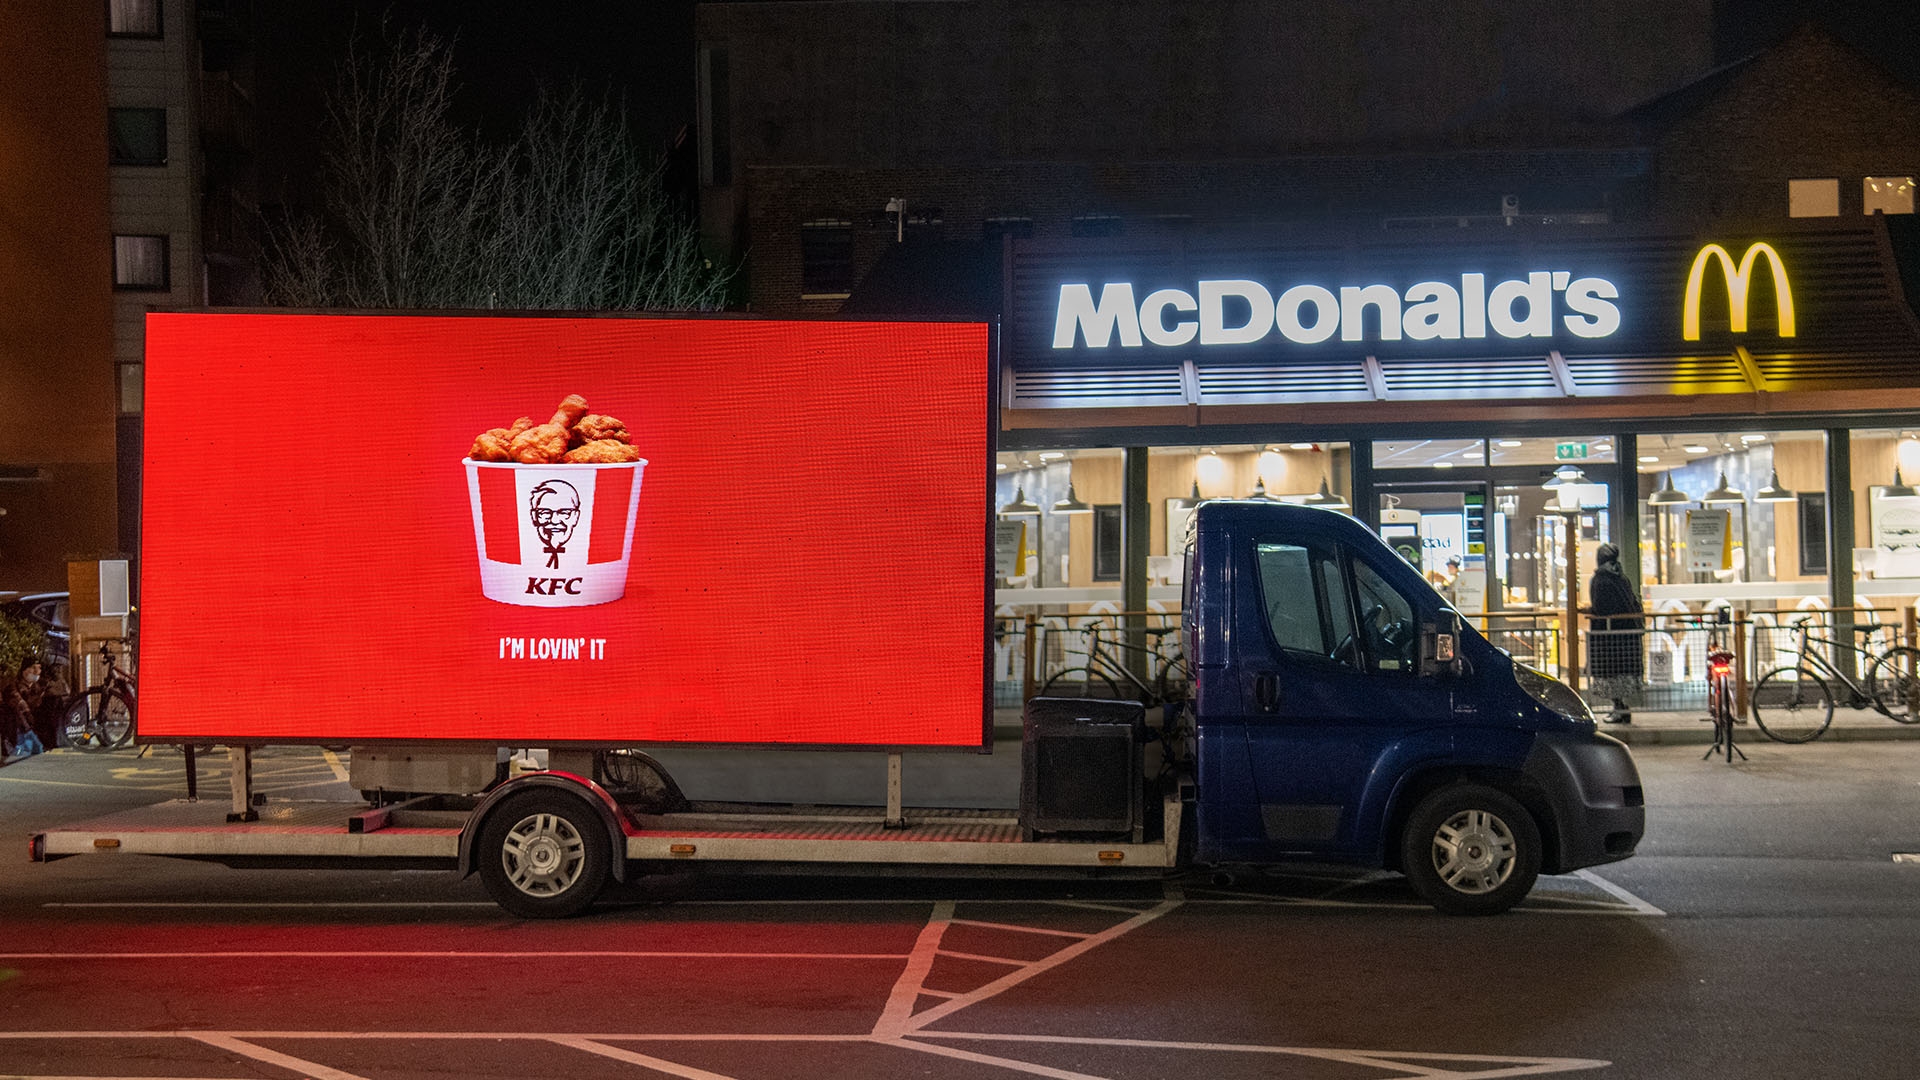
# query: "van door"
x,y
1330,687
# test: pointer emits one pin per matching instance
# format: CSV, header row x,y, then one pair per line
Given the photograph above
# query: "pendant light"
x,y
1773,492
1071,504
1564,475
1260,491
1325,498
1723,494
1669,495
1190,501
1899,490
1020,504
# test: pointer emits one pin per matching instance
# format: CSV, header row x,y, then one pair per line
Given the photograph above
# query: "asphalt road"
x,y
1764,931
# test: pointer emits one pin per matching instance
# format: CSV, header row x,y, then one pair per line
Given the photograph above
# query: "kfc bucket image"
x,y
553,507
553,535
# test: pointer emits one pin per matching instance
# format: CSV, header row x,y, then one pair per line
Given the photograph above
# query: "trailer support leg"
x,y
896,818
240,764
193,773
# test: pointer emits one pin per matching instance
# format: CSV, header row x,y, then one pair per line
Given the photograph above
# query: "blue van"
x,y
1343,711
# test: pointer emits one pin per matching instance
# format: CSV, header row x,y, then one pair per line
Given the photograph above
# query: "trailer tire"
x,y
543,854
1470,849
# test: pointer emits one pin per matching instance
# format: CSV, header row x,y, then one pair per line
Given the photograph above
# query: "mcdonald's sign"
x,y
1739,284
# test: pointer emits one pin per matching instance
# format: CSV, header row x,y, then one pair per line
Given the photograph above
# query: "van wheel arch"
x,y
1510,782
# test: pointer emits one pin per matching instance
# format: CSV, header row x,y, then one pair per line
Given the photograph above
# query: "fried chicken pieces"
x,y
573,437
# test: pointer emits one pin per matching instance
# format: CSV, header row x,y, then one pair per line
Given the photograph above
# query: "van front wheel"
x,y
1470,850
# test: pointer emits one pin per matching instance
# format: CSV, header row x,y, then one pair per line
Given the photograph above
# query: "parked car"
x,y
48,611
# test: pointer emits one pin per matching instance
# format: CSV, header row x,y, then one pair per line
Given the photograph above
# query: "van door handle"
x,y
1266,691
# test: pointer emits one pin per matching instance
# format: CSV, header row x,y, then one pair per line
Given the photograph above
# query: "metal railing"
x,y
1029,650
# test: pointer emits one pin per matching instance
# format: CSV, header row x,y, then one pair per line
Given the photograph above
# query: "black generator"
x,y
1081,768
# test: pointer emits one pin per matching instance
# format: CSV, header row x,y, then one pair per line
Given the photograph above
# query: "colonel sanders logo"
x,y
554,507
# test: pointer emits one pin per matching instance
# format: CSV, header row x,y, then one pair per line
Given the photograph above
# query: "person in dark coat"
x,y
1615,643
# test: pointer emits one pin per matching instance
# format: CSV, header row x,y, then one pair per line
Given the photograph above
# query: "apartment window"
x,y
136,136
1887,194
1096,225
994,228
826,259
1813,198
133,18
140,262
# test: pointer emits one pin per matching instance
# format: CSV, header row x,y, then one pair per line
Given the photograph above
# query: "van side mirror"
x,y
1439,645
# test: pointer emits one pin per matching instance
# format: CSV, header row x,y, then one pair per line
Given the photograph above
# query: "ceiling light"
x,y
1443,464
1020,504
1669,496
1564,475
1192,500
1071,504
1724,494
1753,438
999,466
1300,446
1260,491
1773,492
1649,458
1899,490
1509,442
1695,449
1049,455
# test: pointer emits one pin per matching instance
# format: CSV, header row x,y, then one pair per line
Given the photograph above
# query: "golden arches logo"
x,y
1739,284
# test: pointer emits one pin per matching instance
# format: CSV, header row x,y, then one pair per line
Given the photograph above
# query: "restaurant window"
x,y
1106,543
136,136
826,259
140,263
1887,194
133,18
1813,198
1813,532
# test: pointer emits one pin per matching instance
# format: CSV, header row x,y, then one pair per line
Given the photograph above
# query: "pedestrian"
x,y
17,704
53,704
1614,657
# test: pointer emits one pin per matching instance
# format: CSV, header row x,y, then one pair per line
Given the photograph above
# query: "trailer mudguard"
x,y
579,786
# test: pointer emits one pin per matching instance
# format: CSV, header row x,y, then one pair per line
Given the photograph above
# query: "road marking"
x,y
1624,896
987,1059
275,903
983,959
686,1072
265,1056
1014,978
1398,1060
1906,856
428,955
333,762
1022,929
1091,906
906,989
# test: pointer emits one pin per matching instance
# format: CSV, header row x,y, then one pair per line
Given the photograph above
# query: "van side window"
x,y
1386,622
1304,593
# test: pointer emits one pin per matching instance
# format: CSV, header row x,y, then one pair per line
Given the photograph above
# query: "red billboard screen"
x,y
547,530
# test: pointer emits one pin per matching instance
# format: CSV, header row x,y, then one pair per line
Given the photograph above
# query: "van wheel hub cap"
x,y
543,855
1474,851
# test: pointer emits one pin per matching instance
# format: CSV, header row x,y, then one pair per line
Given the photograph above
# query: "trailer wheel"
x,y
543,855
1470,850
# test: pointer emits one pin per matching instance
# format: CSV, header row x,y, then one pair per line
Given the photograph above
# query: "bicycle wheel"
x,y
1792,705
1894,684
80,725
1081,682
1176,680
116,719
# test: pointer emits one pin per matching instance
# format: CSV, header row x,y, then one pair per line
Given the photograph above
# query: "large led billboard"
x,y
536,531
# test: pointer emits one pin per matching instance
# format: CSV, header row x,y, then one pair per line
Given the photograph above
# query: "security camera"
x,y
1509,205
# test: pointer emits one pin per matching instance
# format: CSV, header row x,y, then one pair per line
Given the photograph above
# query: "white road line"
x,y
1091,906
906,989
686,1072
309,1069
1022,929
429,955
1625,897
984,959
1015,978
1399,1060
943,994
988,1059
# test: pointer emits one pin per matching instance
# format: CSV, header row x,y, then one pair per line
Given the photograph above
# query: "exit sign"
x,y
1570,451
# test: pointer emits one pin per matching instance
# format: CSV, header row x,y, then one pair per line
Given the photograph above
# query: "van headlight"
x,y
1552,693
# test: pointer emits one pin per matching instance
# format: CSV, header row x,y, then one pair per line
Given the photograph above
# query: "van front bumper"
x,y
1599,807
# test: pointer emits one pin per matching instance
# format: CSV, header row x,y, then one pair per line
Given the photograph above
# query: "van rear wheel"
x,y
1469,849
544,855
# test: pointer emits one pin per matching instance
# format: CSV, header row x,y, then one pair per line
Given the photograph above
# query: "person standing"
x,y
1614,643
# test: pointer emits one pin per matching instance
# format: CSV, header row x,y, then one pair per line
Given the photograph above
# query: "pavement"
x,y
1693,728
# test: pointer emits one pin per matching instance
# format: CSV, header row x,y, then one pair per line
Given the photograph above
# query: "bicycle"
x,y
101,717
1794,704
1720,695
1105,670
